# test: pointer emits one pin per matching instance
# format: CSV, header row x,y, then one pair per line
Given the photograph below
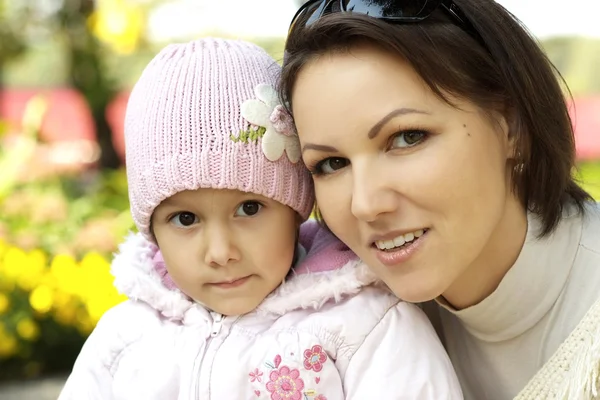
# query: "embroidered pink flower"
x,y
282,121
285,384
314,358
320,397
256,375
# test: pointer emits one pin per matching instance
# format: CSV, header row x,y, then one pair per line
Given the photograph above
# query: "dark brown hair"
x,y
503,70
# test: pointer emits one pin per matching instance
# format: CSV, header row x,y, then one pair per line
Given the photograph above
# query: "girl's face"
x,y
419,189
225,248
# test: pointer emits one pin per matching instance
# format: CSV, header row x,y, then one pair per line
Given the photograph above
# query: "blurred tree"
x,y
87,73
12,39
91,33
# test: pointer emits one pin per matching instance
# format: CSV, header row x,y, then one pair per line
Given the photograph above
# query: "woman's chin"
x,y
415,291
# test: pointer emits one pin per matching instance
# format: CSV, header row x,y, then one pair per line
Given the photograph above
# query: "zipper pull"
x,y
217,324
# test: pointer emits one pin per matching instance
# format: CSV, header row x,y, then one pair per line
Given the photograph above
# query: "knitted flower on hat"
x,y
280,134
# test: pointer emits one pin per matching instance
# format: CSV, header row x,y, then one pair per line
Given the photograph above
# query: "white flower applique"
x,y
280,133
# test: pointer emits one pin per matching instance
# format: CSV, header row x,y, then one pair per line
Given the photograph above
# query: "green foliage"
x,y
12,37
249,135
577,59
589,176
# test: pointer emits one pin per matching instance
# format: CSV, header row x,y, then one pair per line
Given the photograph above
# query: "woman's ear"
x,y
509,128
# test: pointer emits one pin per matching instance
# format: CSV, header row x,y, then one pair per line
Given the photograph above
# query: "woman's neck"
x,y
501,252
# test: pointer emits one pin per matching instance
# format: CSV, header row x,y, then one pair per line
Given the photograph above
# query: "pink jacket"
x,y
330,332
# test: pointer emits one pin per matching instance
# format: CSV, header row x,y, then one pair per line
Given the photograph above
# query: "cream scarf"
x,y
573,372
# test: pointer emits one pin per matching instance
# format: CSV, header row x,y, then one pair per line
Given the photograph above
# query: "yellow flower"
x,y
95,309
83,322
6,285
61,299
14,261
41,299
28,329
66,315
93,260
96,278
3,247
4,303
33,270
119,24
67,273
8,346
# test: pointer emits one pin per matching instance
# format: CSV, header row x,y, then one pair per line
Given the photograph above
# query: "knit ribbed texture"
x,y
573,372
178,126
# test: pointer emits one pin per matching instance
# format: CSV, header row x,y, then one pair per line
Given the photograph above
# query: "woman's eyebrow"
x,y
374,131
319,147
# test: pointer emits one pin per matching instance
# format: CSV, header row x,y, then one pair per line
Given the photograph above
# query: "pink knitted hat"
x,y
205,114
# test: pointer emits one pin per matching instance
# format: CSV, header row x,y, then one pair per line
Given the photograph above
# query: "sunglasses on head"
x,y
393,11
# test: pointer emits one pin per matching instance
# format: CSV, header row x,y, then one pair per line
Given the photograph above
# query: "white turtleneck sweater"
x,y
499,344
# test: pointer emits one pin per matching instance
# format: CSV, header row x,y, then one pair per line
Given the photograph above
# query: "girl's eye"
x,y
184,219
248,209
407,139
330,165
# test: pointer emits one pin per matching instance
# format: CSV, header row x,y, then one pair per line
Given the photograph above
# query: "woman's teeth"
x,y
399,241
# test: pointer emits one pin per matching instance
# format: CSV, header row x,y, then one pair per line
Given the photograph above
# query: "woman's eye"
x,y
330,165
248,209
407,139
184,219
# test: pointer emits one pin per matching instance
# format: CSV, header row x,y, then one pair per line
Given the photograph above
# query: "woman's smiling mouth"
x,y
397,248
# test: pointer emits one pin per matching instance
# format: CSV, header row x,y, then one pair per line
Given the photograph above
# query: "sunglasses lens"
x,y
312,8
316,11
392,9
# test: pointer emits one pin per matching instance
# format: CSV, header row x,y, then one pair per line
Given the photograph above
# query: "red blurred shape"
x,y
586,120
68,118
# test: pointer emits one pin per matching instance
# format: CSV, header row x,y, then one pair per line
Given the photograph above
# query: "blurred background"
x,y
66,68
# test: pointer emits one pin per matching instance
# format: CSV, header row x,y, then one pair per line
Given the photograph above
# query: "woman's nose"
x,y
371,196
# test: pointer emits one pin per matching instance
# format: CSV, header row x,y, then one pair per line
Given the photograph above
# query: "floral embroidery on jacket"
x,y
287,383
314,358
256,375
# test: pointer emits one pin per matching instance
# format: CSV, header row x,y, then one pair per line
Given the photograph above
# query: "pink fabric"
x,y
325,252
161,268
178,126
282,121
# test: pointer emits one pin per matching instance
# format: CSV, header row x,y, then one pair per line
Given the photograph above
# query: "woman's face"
x,y
419,189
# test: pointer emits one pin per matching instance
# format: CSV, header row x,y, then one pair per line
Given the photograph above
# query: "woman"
x,y
442,154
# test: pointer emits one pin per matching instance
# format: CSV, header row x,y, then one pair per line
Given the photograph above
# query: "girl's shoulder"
x,y
126,322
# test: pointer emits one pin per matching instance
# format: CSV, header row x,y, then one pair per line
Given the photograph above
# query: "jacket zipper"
x,y
216,326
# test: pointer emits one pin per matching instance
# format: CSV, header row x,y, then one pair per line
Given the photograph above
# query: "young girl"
x,y
231,306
